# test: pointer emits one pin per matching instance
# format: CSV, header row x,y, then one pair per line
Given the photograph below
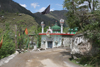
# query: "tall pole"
x,y
42,29
61,23
16,37
61,28
42,24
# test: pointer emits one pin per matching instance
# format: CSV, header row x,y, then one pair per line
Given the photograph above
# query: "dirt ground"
x,y
58,57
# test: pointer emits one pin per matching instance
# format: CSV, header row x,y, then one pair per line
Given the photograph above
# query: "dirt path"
x,y
47,58
49,63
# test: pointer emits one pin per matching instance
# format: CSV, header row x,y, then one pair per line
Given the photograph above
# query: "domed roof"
x,y
74,29
56,27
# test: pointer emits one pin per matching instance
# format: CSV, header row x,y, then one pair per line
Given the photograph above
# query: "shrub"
x,y
8,46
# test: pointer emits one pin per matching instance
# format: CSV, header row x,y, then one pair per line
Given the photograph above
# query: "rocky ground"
x,y
58,57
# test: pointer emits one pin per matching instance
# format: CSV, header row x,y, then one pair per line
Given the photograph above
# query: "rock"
x,y
20,14
85,65
2,17
22,50
13,18
19,50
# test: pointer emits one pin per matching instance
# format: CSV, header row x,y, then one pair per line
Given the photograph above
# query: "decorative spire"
x,y
61,23
42,24
49,27
56,23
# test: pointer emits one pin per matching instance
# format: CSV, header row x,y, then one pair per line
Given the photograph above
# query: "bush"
x,y
8,46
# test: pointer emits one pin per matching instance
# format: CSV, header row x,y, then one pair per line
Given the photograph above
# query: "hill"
x,y
12,13
13,7
51,18
21,20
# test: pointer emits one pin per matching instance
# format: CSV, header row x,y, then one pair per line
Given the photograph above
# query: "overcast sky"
x,y
40,5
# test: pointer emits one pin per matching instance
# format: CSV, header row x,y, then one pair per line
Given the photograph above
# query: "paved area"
x,y
58,57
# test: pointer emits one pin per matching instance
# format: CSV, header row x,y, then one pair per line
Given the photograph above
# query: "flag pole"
x,y
16,37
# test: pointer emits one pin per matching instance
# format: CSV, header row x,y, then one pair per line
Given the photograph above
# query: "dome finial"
x,y
56,23
49,27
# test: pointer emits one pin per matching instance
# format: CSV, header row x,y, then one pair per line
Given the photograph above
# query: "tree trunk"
x,y
89,4
93,5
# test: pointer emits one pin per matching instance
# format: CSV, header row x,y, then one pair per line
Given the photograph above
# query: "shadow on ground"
x,y
64,53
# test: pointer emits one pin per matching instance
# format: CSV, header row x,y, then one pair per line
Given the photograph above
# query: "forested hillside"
x,y
51,18
13,7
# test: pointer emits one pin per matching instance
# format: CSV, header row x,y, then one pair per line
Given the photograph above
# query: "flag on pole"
x,y
1,42
47,10
26,31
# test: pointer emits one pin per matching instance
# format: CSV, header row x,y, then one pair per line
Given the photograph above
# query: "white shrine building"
x,y
54,36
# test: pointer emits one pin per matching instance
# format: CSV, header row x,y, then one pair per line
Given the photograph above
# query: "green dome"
x,y
73,30
55,27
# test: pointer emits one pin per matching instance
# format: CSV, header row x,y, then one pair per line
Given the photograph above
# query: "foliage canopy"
x,y
85,15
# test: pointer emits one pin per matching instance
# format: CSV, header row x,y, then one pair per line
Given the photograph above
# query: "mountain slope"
x,y
50,18
13,7
21,20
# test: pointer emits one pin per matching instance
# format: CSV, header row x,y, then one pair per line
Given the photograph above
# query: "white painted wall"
x,y
67,41
52,38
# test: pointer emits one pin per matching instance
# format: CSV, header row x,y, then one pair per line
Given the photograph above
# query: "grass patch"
x,y
78,63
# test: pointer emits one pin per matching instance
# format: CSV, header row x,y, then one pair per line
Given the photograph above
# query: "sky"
x,y
40,5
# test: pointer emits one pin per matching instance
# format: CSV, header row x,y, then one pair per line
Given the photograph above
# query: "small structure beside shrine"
x,y
55,37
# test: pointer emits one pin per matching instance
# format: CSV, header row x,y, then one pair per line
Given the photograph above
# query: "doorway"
x,y
49,44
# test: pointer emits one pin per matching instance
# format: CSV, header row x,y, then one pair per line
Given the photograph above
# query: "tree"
x,y
73,5
92,4
79,11
22,39
86,17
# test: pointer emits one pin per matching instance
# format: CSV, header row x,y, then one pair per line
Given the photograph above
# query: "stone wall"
x,y
66,41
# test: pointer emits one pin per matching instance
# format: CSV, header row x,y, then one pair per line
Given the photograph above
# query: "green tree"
x,y
38,37
8,46
86,18
21,38
79,14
